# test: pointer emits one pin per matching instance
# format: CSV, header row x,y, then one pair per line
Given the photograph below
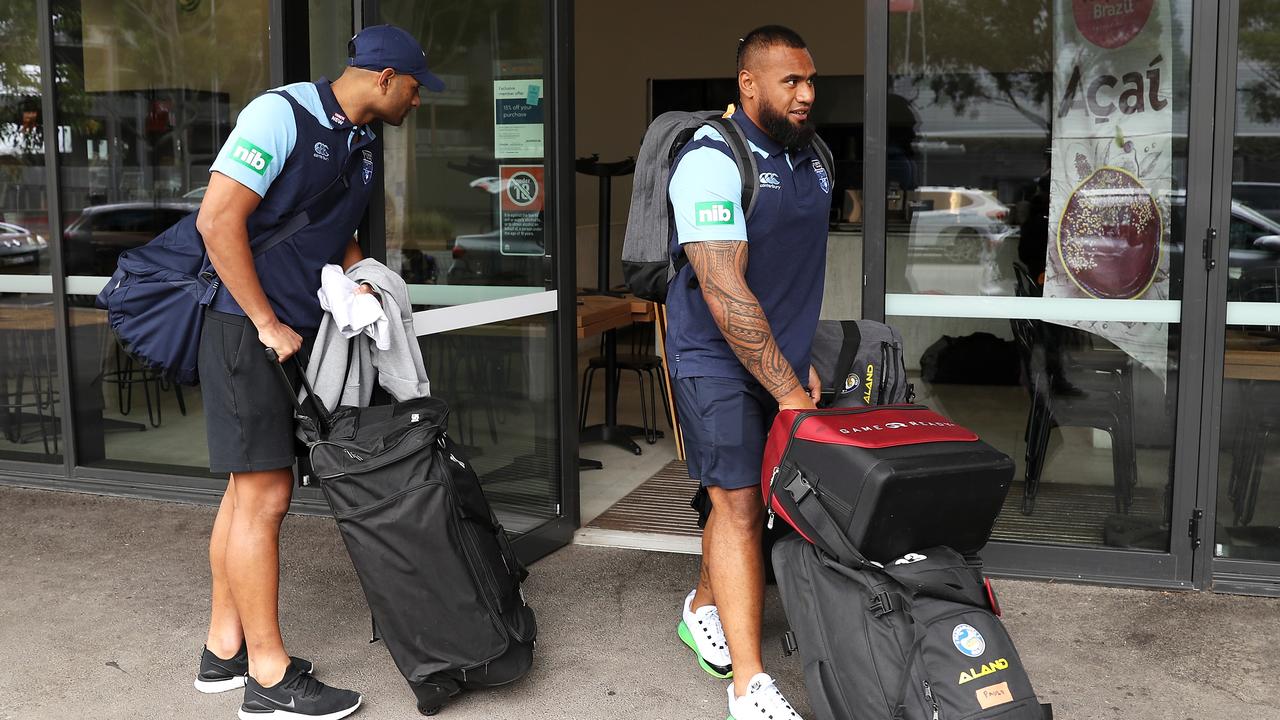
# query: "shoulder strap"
x,y
830,537
299,219
745,159
825,157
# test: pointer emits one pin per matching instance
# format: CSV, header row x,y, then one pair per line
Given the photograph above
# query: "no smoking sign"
x,y
521,230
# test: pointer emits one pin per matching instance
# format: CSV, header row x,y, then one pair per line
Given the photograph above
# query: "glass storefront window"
x,y
1035,241
465,175
30,407
1248,498
148,92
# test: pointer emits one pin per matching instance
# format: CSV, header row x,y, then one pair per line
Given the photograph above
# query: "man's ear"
x,y
746,84
384,80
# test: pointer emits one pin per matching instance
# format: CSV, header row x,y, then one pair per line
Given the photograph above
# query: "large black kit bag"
x,y
860,362
647,263
914,639
440,577
886,480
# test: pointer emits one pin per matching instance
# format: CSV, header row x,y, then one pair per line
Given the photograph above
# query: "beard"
x,y
781,128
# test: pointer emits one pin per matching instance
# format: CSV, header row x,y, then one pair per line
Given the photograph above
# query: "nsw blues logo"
x,y
367,172
824,181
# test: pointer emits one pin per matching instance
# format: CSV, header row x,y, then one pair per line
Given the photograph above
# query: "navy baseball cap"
x,y
379,47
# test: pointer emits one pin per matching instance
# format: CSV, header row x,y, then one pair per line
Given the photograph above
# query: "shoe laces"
x,y
306,685
768,700
712,627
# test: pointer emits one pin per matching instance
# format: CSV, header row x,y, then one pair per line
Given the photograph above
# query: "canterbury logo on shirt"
x,y
251,156
713,213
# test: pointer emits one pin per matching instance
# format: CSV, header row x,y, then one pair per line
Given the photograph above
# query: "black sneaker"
x,y
297,695
218,675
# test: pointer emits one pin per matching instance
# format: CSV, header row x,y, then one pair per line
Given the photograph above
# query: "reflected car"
x,y
96,238
955,223
1264,197
479,260
20,246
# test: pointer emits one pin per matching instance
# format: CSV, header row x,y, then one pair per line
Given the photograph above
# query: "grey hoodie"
x,y
342,371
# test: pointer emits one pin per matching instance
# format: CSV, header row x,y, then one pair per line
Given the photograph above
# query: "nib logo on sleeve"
x,y
251,156
713,213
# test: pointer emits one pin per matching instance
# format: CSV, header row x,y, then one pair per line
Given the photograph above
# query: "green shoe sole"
x,y
687,637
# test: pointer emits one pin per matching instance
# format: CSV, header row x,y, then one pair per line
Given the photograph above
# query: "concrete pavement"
x,y
104,603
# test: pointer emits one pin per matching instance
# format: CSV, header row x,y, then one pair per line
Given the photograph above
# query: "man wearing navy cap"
x,y
294,179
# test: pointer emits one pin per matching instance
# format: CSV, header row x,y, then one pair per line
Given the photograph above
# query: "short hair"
x,y
765,37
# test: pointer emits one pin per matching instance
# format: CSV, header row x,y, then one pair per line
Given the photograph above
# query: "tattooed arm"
x,y
721,268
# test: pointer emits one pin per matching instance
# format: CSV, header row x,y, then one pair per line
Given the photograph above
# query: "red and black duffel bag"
x,y
887,480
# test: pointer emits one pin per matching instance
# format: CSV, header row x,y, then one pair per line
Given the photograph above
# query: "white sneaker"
x,y
763,701
701,630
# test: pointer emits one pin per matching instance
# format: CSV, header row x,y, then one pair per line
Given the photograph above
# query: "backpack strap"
x,y
748,169
823,151
848,352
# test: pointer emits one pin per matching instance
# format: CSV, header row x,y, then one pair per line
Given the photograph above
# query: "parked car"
x,y
95,239
20,246
1264,197
955,223
479,260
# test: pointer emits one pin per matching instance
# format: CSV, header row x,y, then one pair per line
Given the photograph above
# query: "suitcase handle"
x,y
321,414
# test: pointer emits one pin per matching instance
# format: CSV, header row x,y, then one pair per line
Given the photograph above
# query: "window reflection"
x,y
147,92
1036,183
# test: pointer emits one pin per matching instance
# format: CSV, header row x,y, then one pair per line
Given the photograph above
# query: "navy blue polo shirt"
x,y
786,238
291,146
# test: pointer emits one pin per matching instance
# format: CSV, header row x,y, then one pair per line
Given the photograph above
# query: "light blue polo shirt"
x,y
265,134
786,238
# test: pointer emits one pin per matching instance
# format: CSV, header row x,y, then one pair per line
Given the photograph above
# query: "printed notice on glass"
x,y
521,229
517,118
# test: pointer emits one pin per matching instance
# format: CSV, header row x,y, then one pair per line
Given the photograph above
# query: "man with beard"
x,y
738,340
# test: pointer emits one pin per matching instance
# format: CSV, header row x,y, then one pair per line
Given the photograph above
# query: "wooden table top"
x,y
600,313
1251,357
40,317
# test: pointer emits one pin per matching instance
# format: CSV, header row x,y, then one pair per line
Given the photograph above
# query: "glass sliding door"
x,y
1037,173
1247,461
470,225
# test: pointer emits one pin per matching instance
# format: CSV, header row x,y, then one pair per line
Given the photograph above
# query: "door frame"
x,y
1223,574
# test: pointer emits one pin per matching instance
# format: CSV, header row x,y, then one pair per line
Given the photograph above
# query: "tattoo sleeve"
x,y
721,268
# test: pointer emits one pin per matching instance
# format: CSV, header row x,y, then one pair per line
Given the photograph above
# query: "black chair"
x,y
129,372
644,365
1073,388
28,380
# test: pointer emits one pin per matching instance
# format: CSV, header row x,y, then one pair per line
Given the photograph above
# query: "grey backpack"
x,y
861,361
647,263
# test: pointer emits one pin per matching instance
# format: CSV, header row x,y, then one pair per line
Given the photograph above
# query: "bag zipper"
x,y
383,460
928,696
884,364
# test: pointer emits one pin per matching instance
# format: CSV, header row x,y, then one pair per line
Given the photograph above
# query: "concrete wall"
x,y
621,46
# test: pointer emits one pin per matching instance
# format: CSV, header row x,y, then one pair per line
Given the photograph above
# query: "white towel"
x,y
353,312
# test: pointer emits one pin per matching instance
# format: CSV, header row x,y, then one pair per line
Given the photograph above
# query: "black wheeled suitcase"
x,y
893,478
914,639
441,580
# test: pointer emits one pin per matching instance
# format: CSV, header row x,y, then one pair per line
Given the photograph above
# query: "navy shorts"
x,y
725,423
248,416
